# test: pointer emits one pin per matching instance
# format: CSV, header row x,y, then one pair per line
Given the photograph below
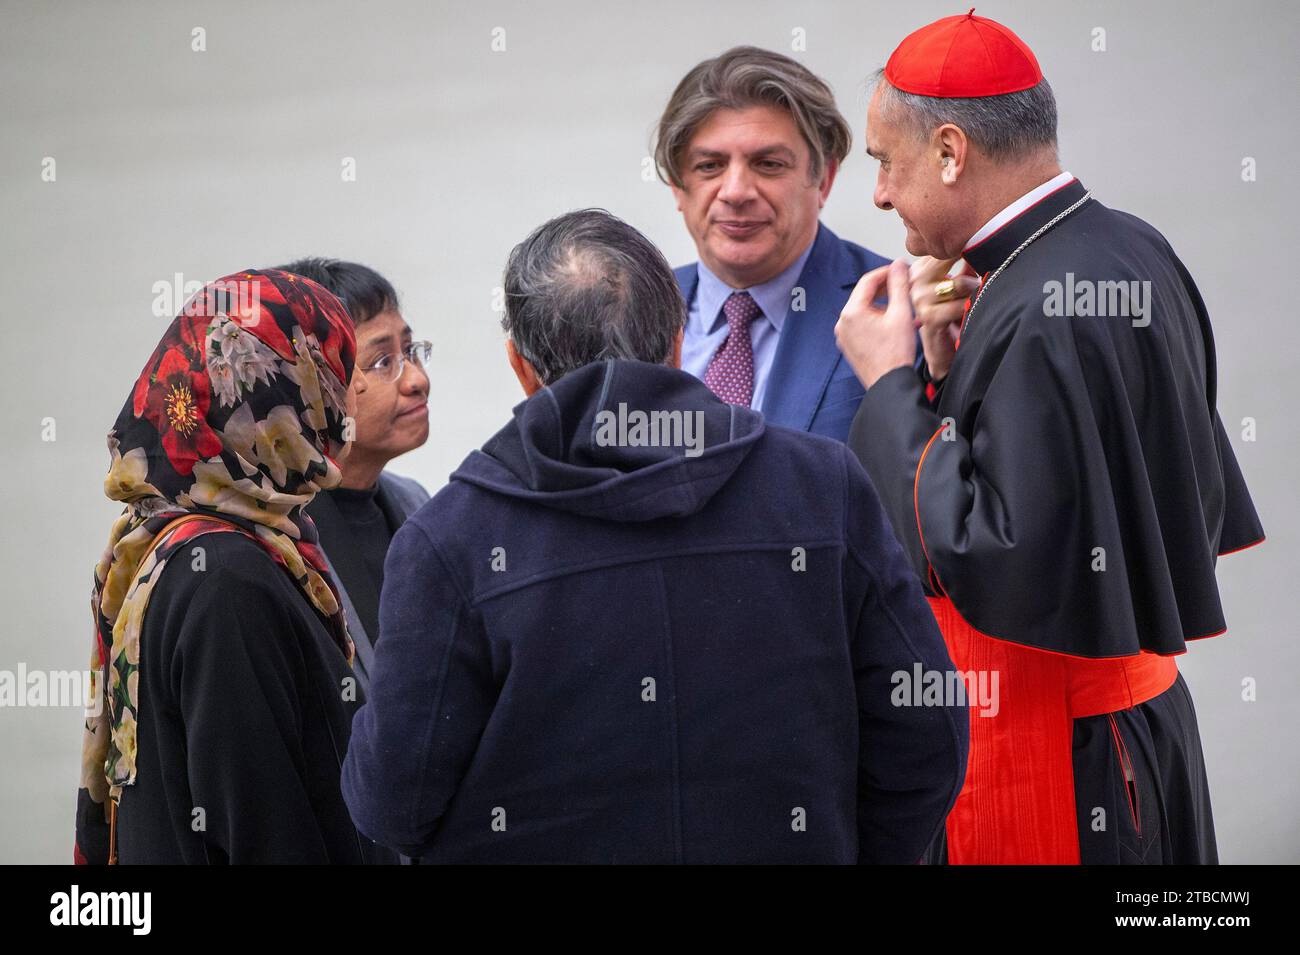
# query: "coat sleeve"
x,y
891,429
431,696
912,759
1074,498
1003,504
237,675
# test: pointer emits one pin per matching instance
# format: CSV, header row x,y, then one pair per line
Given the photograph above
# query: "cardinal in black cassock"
x,y
1064,486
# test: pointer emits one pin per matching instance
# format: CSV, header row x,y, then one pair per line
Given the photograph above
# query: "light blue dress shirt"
x,y
706,326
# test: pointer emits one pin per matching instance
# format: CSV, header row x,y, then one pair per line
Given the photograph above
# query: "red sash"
x,y
1017,805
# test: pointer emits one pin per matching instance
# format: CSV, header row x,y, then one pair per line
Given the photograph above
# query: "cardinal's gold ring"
x,y
946,290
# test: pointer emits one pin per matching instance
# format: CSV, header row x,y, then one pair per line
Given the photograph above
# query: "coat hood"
x,y
617,440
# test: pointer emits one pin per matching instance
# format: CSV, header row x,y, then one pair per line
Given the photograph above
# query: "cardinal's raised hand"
x,y
877,339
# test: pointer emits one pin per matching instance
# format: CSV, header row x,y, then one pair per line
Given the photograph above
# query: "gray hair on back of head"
x,y
1006,127
586,287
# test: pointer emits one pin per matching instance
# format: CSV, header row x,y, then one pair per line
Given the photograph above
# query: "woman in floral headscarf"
x,y
224,693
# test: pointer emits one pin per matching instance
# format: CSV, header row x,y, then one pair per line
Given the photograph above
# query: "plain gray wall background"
x,y
170,160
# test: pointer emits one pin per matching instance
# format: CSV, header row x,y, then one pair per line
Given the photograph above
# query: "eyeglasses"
x,y
389,368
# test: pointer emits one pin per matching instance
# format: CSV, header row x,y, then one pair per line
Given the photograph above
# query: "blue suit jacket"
x,y
812,388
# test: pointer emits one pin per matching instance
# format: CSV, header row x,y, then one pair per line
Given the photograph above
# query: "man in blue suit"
x,y
750,143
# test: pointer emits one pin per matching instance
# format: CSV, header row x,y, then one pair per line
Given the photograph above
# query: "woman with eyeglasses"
x,y
357,519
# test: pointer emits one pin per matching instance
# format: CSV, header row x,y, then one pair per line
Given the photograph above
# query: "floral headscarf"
x,y
241,412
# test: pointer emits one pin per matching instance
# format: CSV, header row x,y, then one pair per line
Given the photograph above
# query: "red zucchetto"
x,y
963,56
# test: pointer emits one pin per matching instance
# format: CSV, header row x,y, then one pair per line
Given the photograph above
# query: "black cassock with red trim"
x,y
1070,486
1075,442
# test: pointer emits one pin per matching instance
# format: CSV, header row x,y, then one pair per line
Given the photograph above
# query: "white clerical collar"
x,y
1016,208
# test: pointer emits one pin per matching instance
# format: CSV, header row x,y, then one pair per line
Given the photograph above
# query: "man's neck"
x,y
1006,186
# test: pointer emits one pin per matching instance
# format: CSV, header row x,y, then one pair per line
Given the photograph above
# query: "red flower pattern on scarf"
x,y
175,401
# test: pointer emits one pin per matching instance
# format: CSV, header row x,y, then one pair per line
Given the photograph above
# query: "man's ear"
x,y
675,360
679,194
953,150
523,370
828,180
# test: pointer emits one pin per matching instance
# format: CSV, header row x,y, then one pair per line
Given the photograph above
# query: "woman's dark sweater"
x,y
245,706
355,532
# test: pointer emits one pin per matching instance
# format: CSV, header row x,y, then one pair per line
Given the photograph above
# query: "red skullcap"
x,y
963,56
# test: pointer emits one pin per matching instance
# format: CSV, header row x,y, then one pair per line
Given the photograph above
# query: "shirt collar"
x,y
772,296
990,246
1017,207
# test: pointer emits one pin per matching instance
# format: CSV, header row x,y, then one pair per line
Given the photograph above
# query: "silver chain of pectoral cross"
x,y
1020,248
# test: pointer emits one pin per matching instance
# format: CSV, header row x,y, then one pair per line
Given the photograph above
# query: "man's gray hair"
x,y
585,287
742,77
1011,126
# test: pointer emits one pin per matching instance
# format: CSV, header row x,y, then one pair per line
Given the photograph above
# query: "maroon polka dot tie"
x,y
730,374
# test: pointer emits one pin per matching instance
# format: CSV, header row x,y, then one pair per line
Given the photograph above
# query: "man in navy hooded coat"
x,y
641,625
